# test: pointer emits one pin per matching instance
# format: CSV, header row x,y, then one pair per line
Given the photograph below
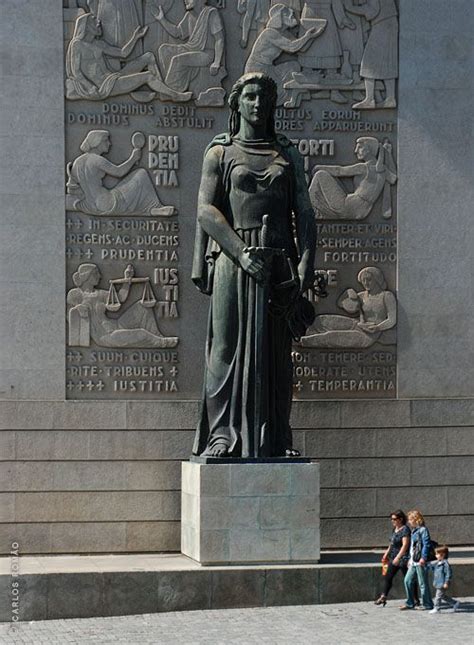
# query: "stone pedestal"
x,y
247,513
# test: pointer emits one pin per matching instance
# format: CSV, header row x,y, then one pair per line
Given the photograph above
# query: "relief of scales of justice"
x,y
93,313
147,300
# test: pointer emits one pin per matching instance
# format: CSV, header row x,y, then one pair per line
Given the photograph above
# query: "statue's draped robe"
x,y
132,195
135,326
200,42
119,19
324,52
255,178
380,59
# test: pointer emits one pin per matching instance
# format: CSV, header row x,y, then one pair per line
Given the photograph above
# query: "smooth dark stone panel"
x,y
291,587
130,593
238,589
184,590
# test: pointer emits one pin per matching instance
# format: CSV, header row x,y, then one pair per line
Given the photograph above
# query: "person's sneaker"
x,y
434,611
454,608
421,608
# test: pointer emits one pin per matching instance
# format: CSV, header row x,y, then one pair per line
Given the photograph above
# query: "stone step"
x,y
57,587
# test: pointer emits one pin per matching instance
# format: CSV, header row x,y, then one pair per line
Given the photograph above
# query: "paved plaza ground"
x,y
356,623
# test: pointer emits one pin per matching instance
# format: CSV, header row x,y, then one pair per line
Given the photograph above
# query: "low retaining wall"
x,y
85,587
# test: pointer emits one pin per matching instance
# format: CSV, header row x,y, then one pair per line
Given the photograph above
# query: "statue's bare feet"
x,y
292,452
218,450
366,104
388,103
164,211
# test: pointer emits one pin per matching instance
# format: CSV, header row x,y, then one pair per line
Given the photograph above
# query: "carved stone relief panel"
x,y
146,86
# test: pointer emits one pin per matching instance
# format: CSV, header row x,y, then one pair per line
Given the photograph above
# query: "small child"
x,y
442,577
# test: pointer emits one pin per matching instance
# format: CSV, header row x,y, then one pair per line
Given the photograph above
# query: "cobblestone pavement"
x,y
359,623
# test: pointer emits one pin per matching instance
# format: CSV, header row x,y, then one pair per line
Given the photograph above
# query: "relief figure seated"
x,y
89,75
134,194
90,314
198,63
375,173
376,308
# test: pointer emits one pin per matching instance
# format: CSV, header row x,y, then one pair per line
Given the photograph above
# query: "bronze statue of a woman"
x,y
254,254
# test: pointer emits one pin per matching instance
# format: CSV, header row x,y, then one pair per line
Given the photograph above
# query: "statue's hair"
x,y
376,274
271,91
80,26
276,15
80,31
371,142
93,139
83,272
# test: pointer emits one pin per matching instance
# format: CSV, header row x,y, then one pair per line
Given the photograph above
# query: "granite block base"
x,y
250,513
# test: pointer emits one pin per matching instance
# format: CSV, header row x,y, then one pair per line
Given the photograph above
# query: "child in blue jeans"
x,y
443,575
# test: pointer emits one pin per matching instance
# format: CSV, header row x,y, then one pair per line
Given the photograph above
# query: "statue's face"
x,y
289,18
104,145
361,151
368,281
253,104
95,26
94,278
189,4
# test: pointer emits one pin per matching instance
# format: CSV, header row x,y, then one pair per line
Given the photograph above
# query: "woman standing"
x,y
397,553
417,569
253,203
380,59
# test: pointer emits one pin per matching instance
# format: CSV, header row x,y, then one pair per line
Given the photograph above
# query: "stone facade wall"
x,y
98,490
435,196
32,281
105,476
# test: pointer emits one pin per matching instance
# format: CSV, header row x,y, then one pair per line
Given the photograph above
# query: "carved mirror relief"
x,y
146,85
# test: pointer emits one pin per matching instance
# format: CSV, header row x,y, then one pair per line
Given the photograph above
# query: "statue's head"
x,y
280,16
97,141
370,277
367,148
253,97
86,273
87,24
191,4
